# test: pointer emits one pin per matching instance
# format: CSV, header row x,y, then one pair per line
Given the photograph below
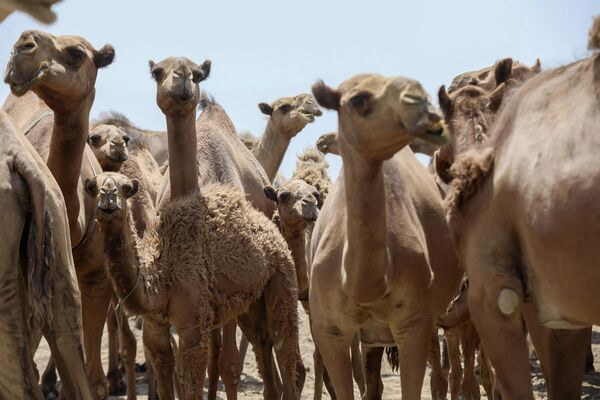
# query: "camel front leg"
x,y
229,361
116,385
413,339
438,381
128,348
157,343
470,342
192,360
95,299
372,360
49,379
213,364
357,366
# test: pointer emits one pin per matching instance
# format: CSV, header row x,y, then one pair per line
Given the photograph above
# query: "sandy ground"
x,y
251,386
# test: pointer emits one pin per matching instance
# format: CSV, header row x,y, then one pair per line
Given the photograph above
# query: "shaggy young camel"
x,y
287,117
39,291
523,209
205,152
387,279
174,272
62,71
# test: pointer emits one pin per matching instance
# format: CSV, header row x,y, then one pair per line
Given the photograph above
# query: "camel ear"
x,y
130,188
93,139
496,97
326,96
265,108
537,67
91,187
270,193
104,57
205,68
445,102
442,166
503,70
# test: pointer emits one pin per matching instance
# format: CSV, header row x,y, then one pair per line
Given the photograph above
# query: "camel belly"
x,y
375,334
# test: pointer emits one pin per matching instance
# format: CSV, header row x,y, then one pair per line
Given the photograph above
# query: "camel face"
x,y
470,112
109,144
55,67
291,114
177,80
297,202
328,143
111,191
380,115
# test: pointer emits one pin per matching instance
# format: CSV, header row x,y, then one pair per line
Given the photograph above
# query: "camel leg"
x,y
452,336
357,366
470,340
116,384
149,376
95,299
438,381
282,323
414,341
192,360
49,379
562,356
334,347
213,364
229,361
374,384
589,358
243,350
319,371
254,327
128,347
487,376
158,349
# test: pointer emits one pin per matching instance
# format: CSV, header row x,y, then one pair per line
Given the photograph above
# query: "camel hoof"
x,y
508,300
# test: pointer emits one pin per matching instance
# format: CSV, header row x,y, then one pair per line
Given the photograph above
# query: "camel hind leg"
x,y
374,384
281,302
192,360
470,341
438,381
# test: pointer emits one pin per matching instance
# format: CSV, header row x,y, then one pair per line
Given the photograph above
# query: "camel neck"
x,y
270,149
295,238
127,276
65,158
366,258
183,164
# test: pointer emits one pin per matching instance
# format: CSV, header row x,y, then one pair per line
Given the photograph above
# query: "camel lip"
x,y
308,116
19,89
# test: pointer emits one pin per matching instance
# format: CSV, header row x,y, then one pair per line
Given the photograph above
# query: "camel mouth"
x,y
308,116
437,133
117,157
19,89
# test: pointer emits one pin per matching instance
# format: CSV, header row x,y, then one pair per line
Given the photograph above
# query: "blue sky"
x,y
262,50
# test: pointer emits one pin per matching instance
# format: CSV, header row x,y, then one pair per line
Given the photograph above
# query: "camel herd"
x,y
195,233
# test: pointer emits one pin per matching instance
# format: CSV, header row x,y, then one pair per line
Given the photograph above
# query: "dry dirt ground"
x,y
251,386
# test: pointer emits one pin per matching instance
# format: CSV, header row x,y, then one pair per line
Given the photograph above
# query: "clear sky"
x,y
262,50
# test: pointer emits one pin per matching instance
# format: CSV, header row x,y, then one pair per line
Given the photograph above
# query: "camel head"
x,y
111,191
61,70
297,202
109,144
38,9
379,115
290,115
177,84
328,143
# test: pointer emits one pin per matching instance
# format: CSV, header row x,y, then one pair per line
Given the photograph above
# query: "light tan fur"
x,y
38,9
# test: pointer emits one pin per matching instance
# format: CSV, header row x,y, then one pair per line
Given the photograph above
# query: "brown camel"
x,y
59,72
154,141
537,249
39,291
205,152
287,117
174,273
471,113
390,278
38,9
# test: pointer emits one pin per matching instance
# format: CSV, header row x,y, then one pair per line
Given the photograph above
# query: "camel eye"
x,y
285,108
361,103
157,73
284,196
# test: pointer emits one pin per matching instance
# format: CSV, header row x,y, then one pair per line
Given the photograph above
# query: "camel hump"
x,y
469,172
594,38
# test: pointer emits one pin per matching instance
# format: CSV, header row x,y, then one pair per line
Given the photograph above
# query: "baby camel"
x,y
209,258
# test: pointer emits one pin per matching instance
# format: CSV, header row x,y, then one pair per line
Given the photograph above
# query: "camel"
x,y
40,293
154,141
412,269
52,81
537,252
41,10
174,273
204,152
287,117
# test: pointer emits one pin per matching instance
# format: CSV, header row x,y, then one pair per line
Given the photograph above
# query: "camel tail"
x,y
594,37
40,256
391,353
469,172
